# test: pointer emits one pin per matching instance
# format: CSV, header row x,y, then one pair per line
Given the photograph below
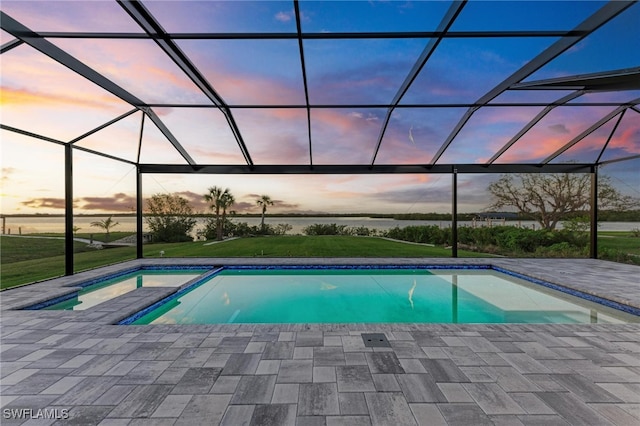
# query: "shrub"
x,y
618,256
525,240
430,234
362,231
563,249
325,229
282,228
169,218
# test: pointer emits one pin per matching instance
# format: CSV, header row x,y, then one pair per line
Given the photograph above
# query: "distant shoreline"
x,y
607,216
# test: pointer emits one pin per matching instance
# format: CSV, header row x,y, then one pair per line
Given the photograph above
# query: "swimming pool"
x,y
373,295
100,290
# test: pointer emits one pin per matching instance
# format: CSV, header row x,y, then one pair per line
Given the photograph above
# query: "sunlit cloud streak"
x,y
627,136
488,130
545,138
46,98
24,97
138,66
266,72
344,136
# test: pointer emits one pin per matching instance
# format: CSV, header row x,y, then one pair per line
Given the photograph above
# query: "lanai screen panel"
x,y
295,84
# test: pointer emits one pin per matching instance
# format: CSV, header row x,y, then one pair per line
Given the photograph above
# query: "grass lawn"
x,y
27,271
618,240
302,246
26,260
17,249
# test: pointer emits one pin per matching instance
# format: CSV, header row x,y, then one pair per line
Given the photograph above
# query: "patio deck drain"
x,y
375,340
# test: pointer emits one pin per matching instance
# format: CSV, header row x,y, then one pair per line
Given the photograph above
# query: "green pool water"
x,y
106,290
376,296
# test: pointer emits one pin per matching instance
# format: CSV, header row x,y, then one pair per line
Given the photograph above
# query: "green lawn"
x,y
27,271
302,246
620,241
17,249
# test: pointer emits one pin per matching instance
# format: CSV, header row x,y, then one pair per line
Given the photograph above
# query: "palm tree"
x,y
227,201
105,224
264,201
218,199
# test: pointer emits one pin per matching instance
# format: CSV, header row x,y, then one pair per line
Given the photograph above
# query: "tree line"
x,y
170,217
544,198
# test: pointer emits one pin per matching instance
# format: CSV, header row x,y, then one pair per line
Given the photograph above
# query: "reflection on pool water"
x,y
108,289
375,296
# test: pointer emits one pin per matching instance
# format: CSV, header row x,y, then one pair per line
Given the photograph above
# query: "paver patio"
x,y
321,374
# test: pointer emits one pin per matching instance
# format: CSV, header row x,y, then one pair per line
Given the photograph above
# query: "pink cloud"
x,y
138,66
251,89
627,139
558,128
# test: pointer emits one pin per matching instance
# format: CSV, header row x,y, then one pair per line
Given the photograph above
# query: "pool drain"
x,y
375,340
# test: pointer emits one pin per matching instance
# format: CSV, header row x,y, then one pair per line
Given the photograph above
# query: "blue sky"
x,y
44,97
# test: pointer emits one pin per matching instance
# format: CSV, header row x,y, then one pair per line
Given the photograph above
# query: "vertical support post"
x,y
454,213
68,209
593,247
139,236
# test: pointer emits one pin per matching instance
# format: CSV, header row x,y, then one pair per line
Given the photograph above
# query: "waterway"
x,y
47,224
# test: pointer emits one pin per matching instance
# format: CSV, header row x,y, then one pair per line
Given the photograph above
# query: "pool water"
x,y
375,296
108,289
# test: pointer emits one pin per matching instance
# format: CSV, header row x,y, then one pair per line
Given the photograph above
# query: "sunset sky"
x,y
44,97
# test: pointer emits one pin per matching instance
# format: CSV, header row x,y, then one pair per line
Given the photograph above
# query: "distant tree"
x,y
169,217
105,224
226,201
264,201
550,198
219,201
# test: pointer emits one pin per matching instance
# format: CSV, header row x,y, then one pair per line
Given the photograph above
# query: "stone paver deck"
x,y
81,365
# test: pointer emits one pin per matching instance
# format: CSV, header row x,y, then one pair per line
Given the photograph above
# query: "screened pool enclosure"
x,y
356,88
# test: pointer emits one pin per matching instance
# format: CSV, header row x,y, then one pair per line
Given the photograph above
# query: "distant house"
x,y
496,216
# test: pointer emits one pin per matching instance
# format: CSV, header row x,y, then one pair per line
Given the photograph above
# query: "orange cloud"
x,y
24,97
